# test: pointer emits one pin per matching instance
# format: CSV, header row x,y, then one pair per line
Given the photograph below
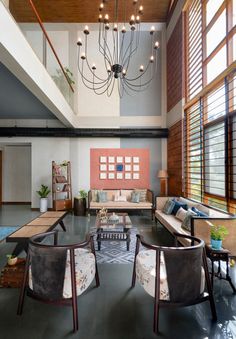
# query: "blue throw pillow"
x,y
199,213
168,207
135,197
102,196
177,206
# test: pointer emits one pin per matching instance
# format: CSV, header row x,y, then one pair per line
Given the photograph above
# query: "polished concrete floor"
x,y
112,311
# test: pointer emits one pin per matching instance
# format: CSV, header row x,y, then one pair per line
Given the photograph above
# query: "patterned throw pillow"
x,y
186,224
181,214
143,194
135,196
168,207
102,196
94,195
199,213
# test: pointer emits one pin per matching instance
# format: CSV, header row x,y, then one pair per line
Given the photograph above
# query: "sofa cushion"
x,y
188,202
135,196
112,194
121,205
94,195
120,198
181,214
186,224
143,194
102,196
177,206
127,194
203,209
168,207
199,213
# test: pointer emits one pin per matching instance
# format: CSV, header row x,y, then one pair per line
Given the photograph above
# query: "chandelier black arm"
x,y
107,46
87,62
84,77
84,80
145,71
107,85
139,85
110,93
134,89
127,49
124,61
101,48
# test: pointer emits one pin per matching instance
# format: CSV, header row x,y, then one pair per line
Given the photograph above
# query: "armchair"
x,y
182,273
57,274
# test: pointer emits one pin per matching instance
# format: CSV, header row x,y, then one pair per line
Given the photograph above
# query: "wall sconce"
x,y
163,175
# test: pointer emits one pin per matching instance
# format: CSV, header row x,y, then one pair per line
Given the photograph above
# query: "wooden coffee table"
x,y
109,230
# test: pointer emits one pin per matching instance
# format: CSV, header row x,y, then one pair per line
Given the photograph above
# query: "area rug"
x,y
12,276
115,252
5,231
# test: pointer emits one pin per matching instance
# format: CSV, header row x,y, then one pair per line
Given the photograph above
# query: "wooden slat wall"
x,y
174,66
174,151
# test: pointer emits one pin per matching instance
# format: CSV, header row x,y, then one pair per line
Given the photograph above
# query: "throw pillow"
x,y
203,209
199,213
121,198
168,207
94,196
181,214
102,196
143,194
177,206
186,224
135,196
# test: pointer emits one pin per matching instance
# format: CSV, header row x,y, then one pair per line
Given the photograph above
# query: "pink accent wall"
x,y
144,165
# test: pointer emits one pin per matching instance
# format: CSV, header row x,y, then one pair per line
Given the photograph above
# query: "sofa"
x,y
199,225
120,200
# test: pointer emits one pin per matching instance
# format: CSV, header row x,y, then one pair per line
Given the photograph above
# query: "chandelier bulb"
x,y
132,27
152,30
141,68
94,67
137,19
83,56
156,45
107,26
86,30
79,43
123,29
124,72
106,18
108,70
132,20
100,17
101,7
140,10
135,1
152,59
115,29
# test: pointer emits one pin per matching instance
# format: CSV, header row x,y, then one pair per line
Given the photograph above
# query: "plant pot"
x,y
43,205
12,261
216,244
80,206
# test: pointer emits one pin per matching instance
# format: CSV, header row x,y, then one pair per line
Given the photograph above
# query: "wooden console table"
x,y
44,223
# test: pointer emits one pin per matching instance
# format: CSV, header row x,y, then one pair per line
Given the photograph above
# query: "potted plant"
x,y
11,259
218,234
80,203
43,193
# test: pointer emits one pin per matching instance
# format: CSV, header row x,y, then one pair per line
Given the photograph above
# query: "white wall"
x,y
16,173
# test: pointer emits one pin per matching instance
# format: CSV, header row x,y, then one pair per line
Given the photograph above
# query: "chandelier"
x,y
117,43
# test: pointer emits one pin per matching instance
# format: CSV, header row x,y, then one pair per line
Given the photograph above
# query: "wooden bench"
x,y
44,223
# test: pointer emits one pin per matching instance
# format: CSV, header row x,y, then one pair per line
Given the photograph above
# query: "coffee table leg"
x,y
62,225
22,246
127,231
99,239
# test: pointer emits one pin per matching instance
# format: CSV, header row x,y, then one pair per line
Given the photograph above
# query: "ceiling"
x,y
16,101
84,10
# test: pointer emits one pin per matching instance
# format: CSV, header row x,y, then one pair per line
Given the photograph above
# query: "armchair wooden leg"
x,y
96,266
74,293
157,295
134,267
23,287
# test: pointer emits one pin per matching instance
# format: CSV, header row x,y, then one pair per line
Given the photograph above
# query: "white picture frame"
x,y
119,159
103,159
103,167
136,160
111,168
136,176
136,168
111,160
127,175
103,175
128,168
119,175
127,160
111,175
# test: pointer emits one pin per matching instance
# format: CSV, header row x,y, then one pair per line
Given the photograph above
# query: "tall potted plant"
x,y
218,234
80,203
43,193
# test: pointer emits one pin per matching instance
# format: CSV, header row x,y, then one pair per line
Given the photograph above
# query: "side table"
x,y
218,256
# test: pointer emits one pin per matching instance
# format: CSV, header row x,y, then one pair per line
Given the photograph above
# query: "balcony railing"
x,y
50,55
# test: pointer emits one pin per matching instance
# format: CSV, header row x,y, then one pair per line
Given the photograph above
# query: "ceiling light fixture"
x,y
118,43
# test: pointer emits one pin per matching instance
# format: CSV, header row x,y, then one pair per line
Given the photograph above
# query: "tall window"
x,y
210,115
